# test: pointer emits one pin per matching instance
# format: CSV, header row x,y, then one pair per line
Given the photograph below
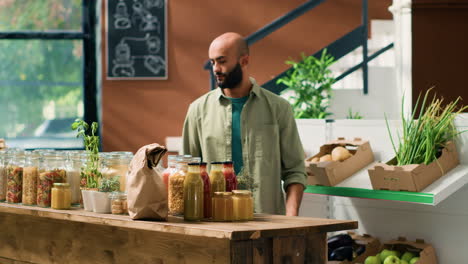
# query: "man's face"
x,y
229,79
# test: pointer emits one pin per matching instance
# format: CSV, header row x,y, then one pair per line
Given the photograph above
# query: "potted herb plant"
x,y
90,173
310,84
101,198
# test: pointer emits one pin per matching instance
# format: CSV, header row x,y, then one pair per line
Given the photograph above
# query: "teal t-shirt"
x,y
237,105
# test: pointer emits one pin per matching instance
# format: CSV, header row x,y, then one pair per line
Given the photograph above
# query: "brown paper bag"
x,y
146,191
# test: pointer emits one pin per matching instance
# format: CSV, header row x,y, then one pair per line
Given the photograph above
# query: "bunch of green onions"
x,y
423,139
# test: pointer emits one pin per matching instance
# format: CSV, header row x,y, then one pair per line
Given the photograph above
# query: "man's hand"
x,y
294,194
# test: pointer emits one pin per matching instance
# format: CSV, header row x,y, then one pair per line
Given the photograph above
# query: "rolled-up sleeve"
x,y
190,134
292,152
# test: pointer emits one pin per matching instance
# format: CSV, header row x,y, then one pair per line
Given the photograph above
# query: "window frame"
x,y
88,36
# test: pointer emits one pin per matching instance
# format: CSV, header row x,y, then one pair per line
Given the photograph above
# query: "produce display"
x,y
14,184
343,247
388,256
338,153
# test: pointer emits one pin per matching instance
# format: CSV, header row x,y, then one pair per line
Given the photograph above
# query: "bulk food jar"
x,y
15,177
229,176
171,168
30,176
176,187
222,206
242,203
115,164
206,190
3,174
118,203
61,196
217,180
193,193
73,168
52,170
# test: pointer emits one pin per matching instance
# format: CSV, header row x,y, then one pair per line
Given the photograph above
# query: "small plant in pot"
x,y
101,198
90,174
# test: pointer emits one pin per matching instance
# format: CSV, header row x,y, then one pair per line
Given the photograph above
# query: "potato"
x,y
340,154
325,158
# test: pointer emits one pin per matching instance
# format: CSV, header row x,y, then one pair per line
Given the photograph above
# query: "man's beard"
x,y
232,78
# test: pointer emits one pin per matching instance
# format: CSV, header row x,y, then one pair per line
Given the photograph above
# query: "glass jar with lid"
x,y
30,178
115,164
171,168
73,168
3,174
118,203
193,193
61,196
229,176
206,190
15,177
176,187
222,206
217,180
52,170
242,205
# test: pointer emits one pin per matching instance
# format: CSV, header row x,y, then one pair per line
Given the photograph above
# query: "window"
x,y
47,71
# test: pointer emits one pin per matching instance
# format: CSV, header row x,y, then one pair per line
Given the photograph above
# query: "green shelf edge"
x,y
413,197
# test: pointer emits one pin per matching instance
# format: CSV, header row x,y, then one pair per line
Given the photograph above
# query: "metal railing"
x,y
338,49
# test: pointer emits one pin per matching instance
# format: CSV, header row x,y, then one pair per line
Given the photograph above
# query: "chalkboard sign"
x,y
136,39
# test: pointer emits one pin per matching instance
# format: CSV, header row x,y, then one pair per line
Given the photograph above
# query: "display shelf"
x,y
359,186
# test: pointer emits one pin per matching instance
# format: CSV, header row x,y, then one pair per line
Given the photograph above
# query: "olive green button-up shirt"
x,y
271,148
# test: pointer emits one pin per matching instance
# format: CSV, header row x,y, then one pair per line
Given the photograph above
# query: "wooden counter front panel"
x,y
36,240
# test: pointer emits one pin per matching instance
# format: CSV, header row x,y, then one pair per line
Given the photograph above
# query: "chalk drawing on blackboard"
x,y
122,19
154,3
123,63
143,17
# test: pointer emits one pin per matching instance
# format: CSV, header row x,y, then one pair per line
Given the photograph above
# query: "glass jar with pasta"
x,y
3,174
53,170
15,177
176,187
30,178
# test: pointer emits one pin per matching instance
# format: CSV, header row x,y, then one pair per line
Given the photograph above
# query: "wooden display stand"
x,y
43,235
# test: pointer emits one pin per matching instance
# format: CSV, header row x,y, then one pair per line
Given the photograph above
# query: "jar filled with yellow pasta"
x,y
52,170
30,178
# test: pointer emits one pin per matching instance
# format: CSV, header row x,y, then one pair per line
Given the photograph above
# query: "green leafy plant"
x,y
109,184
423,139
352,115
311,82
246,182
90,174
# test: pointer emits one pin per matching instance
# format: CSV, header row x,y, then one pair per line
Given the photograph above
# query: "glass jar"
x,y
217,180
30,178
206,190
115,164
73,168
229,176
52,170
15,177
242,205
3,174
222,206
61,196
171,168
119,203
176,187
193,193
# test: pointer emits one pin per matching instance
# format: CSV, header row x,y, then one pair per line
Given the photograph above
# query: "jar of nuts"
x,y
119,203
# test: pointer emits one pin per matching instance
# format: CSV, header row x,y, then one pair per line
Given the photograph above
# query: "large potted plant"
x,y
309,85
90,173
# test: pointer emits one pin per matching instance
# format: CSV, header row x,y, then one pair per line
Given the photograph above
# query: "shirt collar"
x,y
254,91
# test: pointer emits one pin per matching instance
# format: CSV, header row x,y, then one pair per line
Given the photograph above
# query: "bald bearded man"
x,y
242,122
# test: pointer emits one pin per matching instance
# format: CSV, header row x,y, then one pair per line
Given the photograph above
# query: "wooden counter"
x,y
42,235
